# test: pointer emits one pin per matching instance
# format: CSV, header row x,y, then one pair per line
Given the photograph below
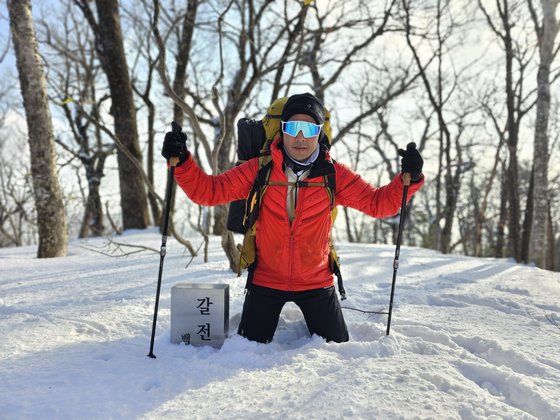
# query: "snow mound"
x,y
470,338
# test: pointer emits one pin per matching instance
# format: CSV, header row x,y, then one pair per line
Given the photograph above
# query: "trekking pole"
x,y
406,182
176,128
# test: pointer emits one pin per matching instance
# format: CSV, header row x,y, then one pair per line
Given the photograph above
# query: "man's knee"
x,y
251,335
261,311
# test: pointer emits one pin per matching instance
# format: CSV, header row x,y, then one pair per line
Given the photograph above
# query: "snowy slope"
x,y
471,338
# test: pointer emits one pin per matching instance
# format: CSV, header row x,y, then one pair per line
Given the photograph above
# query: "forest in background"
x,y
474,84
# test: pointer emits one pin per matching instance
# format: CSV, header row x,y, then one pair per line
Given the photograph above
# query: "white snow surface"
x,y
470,338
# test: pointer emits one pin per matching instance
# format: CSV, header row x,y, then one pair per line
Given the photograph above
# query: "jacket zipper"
x,y
293,225
296,194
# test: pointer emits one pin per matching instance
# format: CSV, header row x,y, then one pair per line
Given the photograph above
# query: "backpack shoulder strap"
x,y
254,200
330,185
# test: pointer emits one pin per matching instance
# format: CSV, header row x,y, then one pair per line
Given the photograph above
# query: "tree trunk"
x,y
516,64
228,244
48,196
538,244
154,204
435,228
550,253
220,219
184,50
224,163
92,223
512,174
502,219
449,211
481,217
556,256
529,218
537,248
180,77
113,60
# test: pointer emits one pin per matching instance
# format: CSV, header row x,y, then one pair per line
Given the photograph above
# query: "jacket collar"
x,y
321,167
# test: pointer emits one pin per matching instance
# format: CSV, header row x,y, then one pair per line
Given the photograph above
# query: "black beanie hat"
x,y
304,103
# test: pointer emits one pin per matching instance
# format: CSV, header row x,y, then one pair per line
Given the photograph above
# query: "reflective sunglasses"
x,y
292,128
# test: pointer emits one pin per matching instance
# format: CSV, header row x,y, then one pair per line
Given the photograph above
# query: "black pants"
x,y
320,307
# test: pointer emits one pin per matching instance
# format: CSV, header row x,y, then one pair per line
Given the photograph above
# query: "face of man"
x,y
300,148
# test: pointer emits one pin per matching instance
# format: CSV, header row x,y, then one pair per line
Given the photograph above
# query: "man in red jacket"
x,y
294,223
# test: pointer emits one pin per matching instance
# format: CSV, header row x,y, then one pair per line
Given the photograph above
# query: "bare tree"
x,y
482,205
440,90
546,35
16,206
182,56
326,57
74,80
519,55
17,215
110,50
142,82
48,196
184,41
179,25
321,61
256,58
554,187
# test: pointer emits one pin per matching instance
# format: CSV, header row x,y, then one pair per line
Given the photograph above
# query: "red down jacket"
x,y
292,257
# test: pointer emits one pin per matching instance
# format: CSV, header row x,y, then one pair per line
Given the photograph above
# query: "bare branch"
x,y
127,153
216,97
118,249
4,53
552,319
117,230
187,109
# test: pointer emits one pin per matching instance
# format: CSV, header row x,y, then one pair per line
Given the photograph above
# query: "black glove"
x,y
175,144
411,162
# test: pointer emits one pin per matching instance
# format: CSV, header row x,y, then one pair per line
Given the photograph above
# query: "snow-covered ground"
x,y
470,338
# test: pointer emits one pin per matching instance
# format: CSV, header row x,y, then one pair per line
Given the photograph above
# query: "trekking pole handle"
x,y
406,177
176,129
